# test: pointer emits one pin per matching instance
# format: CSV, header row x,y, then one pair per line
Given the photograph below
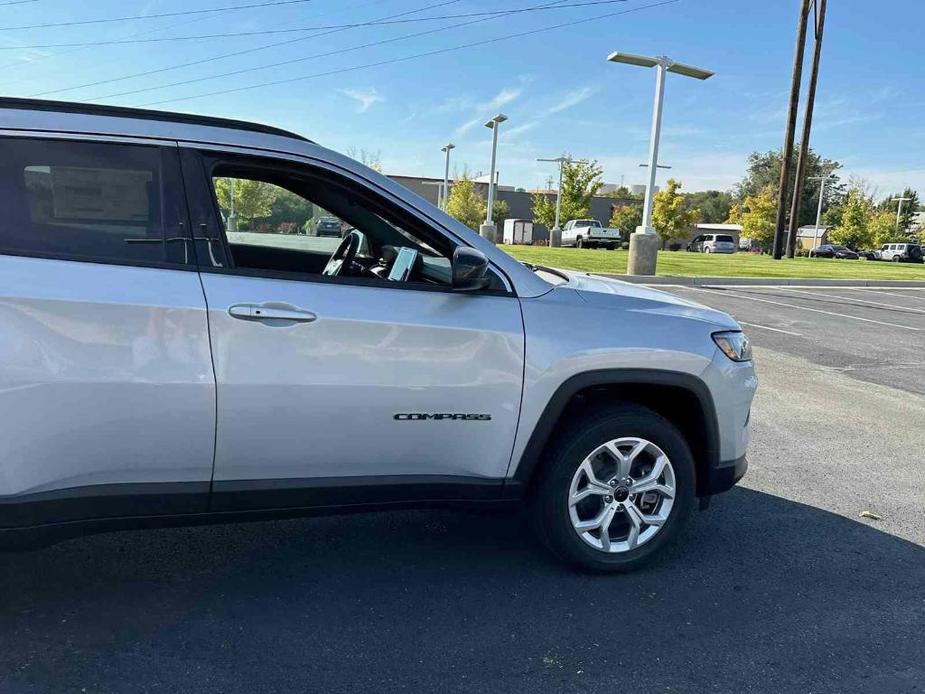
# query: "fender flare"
x,y
554,409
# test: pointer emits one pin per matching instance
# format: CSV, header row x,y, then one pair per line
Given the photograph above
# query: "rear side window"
x,y
726,239
92,201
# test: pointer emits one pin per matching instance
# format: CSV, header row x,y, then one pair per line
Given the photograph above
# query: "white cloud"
x,y
467,126
365,98
502,98
573,98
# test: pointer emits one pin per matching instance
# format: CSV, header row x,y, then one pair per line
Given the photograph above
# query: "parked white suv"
x,y
156,368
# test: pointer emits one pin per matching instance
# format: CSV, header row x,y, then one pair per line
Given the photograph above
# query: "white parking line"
x,y
858,301
883,291
806,308
768,327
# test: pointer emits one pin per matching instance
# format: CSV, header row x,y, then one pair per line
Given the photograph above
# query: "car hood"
x,y
597,289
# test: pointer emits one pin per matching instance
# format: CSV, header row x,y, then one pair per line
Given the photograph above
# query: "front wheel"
x,y
579,243
618,486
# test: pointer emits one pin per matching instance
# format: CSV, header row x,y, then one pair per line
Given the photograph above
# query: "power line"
x,y
327,54
160,15
16,2
233,54
266,32
407,58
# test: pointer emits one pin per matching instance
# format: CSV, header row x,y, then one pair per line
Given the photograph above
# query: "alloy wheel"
x,y
622,494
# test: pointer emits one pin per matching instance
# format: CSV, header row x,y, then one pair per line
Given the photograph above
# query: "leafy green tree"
x,y
290,209
854,229
626,218
581,180
764,172
466,203
758,216
882,228
500,211
252,199
910,207
714,205
671,218
624,193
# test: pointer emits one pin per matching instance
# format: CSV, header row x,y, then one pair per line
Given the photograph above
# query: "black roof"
x,y
142,114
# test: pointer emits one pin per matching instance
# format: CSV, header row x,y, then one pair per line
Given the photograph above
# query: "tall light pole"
x,y
644,243
822,181
446,175
899,209
555,234
488,230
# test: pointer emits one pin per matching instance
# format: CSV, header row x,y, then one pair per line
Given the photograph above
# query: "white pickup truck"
x,y
589,233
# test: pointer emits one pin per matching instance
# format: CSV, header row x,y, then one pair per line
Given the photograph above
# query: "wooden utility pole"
x,y
782,196
819,7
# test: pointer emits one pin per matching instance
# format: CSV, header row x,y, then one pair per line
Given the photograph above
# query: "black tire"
x,y
549,496
579,242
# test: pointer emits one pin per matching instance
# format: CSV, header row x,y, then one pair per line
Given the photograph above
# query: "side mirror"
x,y
470,270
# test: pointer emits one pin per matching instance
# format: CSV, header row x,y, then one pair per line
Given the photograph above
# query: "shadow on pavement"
x,y
763,594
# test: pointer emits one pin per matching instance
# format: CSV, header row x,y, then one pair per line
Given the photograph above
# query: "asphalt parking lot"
x,y
780,586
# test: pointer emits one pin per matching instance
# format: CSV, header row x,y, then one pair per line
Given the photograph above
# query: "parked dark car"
x,y
867,253
328,226
830,251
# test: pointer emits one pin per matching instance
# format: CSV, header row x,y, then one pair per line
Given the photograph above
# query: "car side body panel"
x,y
631,329
106,376
349,393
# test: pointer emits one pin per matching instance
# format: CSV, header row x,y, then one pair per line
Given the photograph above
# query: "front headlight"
x,y
734,345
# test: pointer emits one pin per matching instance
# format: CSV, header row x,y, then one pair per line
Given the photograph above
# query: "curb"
x,y
760,281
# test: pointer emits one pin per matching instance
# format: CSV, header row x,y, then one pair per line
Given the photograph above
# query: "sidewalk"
x,y
761,281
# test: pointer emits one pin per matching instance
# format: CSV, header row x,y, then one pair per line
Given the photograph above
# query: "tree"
x,y
714,205
758,216
500,210
466,203
252,199
910,207
626,218
882,228
624,193
854,229
580,182
764,172
671,218
371,159
290,209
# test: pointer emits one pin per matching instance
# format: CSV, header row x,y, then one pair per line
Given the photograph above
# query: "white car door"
x,y
106,383
341,389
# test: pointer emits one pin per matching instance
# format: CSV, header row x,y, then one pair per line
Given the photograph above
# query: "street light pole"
x,y
488,230
644,243
899,209
822,181
555,234
446,175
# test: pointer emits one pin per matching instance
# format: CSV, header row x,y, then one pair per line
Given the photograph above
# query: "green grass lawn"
x,y
683,264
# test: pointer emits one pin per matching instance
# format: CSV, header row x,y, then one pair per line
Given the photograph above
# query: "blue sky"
x,y
557,88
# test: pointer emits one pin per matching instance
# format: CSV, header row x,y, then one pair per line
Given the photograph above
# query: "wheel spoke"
x,y
638,518
635,519
593,482
650,482
600,521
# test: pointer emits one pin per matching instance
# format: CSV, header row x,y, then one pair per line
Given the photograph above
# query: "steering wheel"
x,y
343,257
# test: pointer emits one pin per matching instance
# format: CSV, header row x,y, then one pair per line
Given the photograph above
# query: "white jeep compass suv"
x,y
173,353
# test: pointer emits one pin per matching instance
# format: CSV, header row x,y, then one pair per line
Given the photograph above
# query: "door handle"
x,y
269,312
